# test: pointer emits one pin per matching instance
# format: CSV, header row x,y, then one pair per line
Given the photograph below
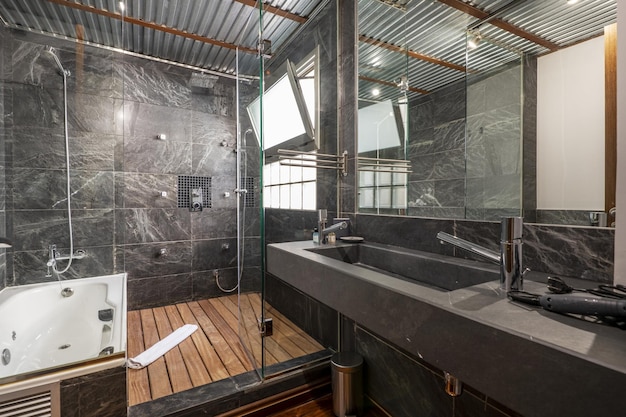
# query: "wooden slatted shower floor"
x,y
214,351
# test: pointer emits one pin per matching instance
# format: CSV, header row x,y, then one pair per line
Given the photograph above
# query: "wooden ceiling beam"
x,y
479,14
412,54
274,10
152,25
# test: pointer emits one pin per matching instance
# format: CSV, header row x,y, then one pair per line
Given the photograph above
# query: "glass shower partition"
x,y
250,225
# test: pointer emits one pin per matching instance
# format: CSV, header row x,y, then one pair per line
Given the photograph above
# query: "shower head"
x,y
50,53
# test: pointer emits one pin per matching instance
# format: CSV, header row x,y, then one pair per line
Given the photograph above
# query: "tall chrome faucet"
x,y
509,258
322,220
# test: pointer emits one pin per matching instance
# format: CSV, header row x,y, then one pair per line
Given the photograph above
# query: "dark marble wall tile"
x,y
149,120
205,284
37,229
529,126
449,136
136,190
159,290
214,159
494,192
214,129
437,212
38,189
151,155
409,232
585,253
562,217
214,223
6,43
30,267
223,194
101,394
92,74
214,254
154,83
218,96
449,103
289,225
440,194
152,225
147,260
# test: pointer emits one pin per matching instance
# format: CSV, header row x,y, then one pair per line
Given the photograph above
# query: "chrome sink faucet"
x,y
322,220
509,258
334,228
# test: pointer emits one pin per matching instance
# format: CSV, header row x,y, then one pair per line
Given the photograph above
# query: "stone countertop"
x,y
534,361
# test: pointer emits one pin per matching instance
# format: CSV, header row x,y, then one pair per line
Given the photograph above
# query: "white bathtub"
x,y
40,328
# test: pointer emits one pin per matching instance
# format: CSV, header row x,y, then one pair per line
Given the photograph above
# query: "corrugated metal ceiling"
x,y
438,29
425,37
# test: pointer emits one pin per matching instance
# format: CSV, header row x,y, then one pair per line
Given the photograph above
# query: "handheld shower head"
x,y
50,53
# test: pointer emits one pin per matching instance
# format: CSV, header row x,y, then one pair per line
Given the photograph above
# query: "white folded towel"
x,y
162,347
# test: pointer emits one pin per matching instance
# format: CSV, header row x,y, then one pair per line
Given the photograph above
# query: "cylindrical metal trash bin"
x,y
347,384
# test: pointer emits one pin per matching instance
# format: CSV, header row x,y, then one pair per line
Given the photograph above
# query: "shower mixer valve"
x,y
196,199
54,256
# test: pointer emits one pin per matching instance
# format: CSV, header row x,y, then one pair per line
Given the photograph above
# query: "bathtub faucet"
x,y
54,256
509,258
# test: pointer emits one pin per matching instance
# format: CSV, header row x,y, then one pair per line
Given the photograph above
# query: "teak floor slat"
x,y
207,353
221,321
195,367
138,383
179,377
275,352
286,332
231,361
251,328
214,351
157,371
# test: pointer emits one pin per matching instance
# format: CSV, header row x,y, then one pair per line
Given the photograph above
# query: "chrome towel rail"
x,y
314,160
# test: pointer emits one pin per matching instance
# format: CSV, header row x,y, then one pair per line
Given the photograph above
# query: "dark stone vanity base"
x,y
535,362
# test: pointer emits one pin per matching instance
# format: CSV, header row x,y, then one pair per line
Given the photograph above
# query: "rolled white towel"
x,y
161,347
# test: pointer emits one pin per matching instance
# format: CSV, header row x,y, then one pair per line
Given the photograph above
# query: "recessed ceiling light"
x,y
121,6
572,1
375,91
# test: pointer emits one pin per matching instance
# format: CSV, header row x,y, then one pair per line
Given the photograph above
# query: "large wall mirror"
x,y
480,109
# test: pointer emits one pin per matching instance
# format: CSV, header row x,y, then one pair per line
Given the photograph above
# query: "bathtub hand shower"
x,y
50,53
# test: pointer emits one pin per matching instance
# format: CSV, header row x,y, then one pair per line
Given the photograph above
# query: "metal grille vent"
x,y
36,405
247,183
187,183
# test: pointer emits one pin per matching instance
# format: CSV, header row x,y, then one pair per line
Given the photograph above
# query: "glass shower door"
x,y
249,204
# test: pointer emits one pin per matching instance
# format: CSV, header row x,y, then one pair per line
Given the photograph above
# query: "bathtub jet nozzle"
x,y
67,292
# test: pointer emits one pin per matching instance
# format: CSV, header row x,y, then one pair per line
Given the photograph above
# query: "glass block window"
x,y
382,190
291,187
